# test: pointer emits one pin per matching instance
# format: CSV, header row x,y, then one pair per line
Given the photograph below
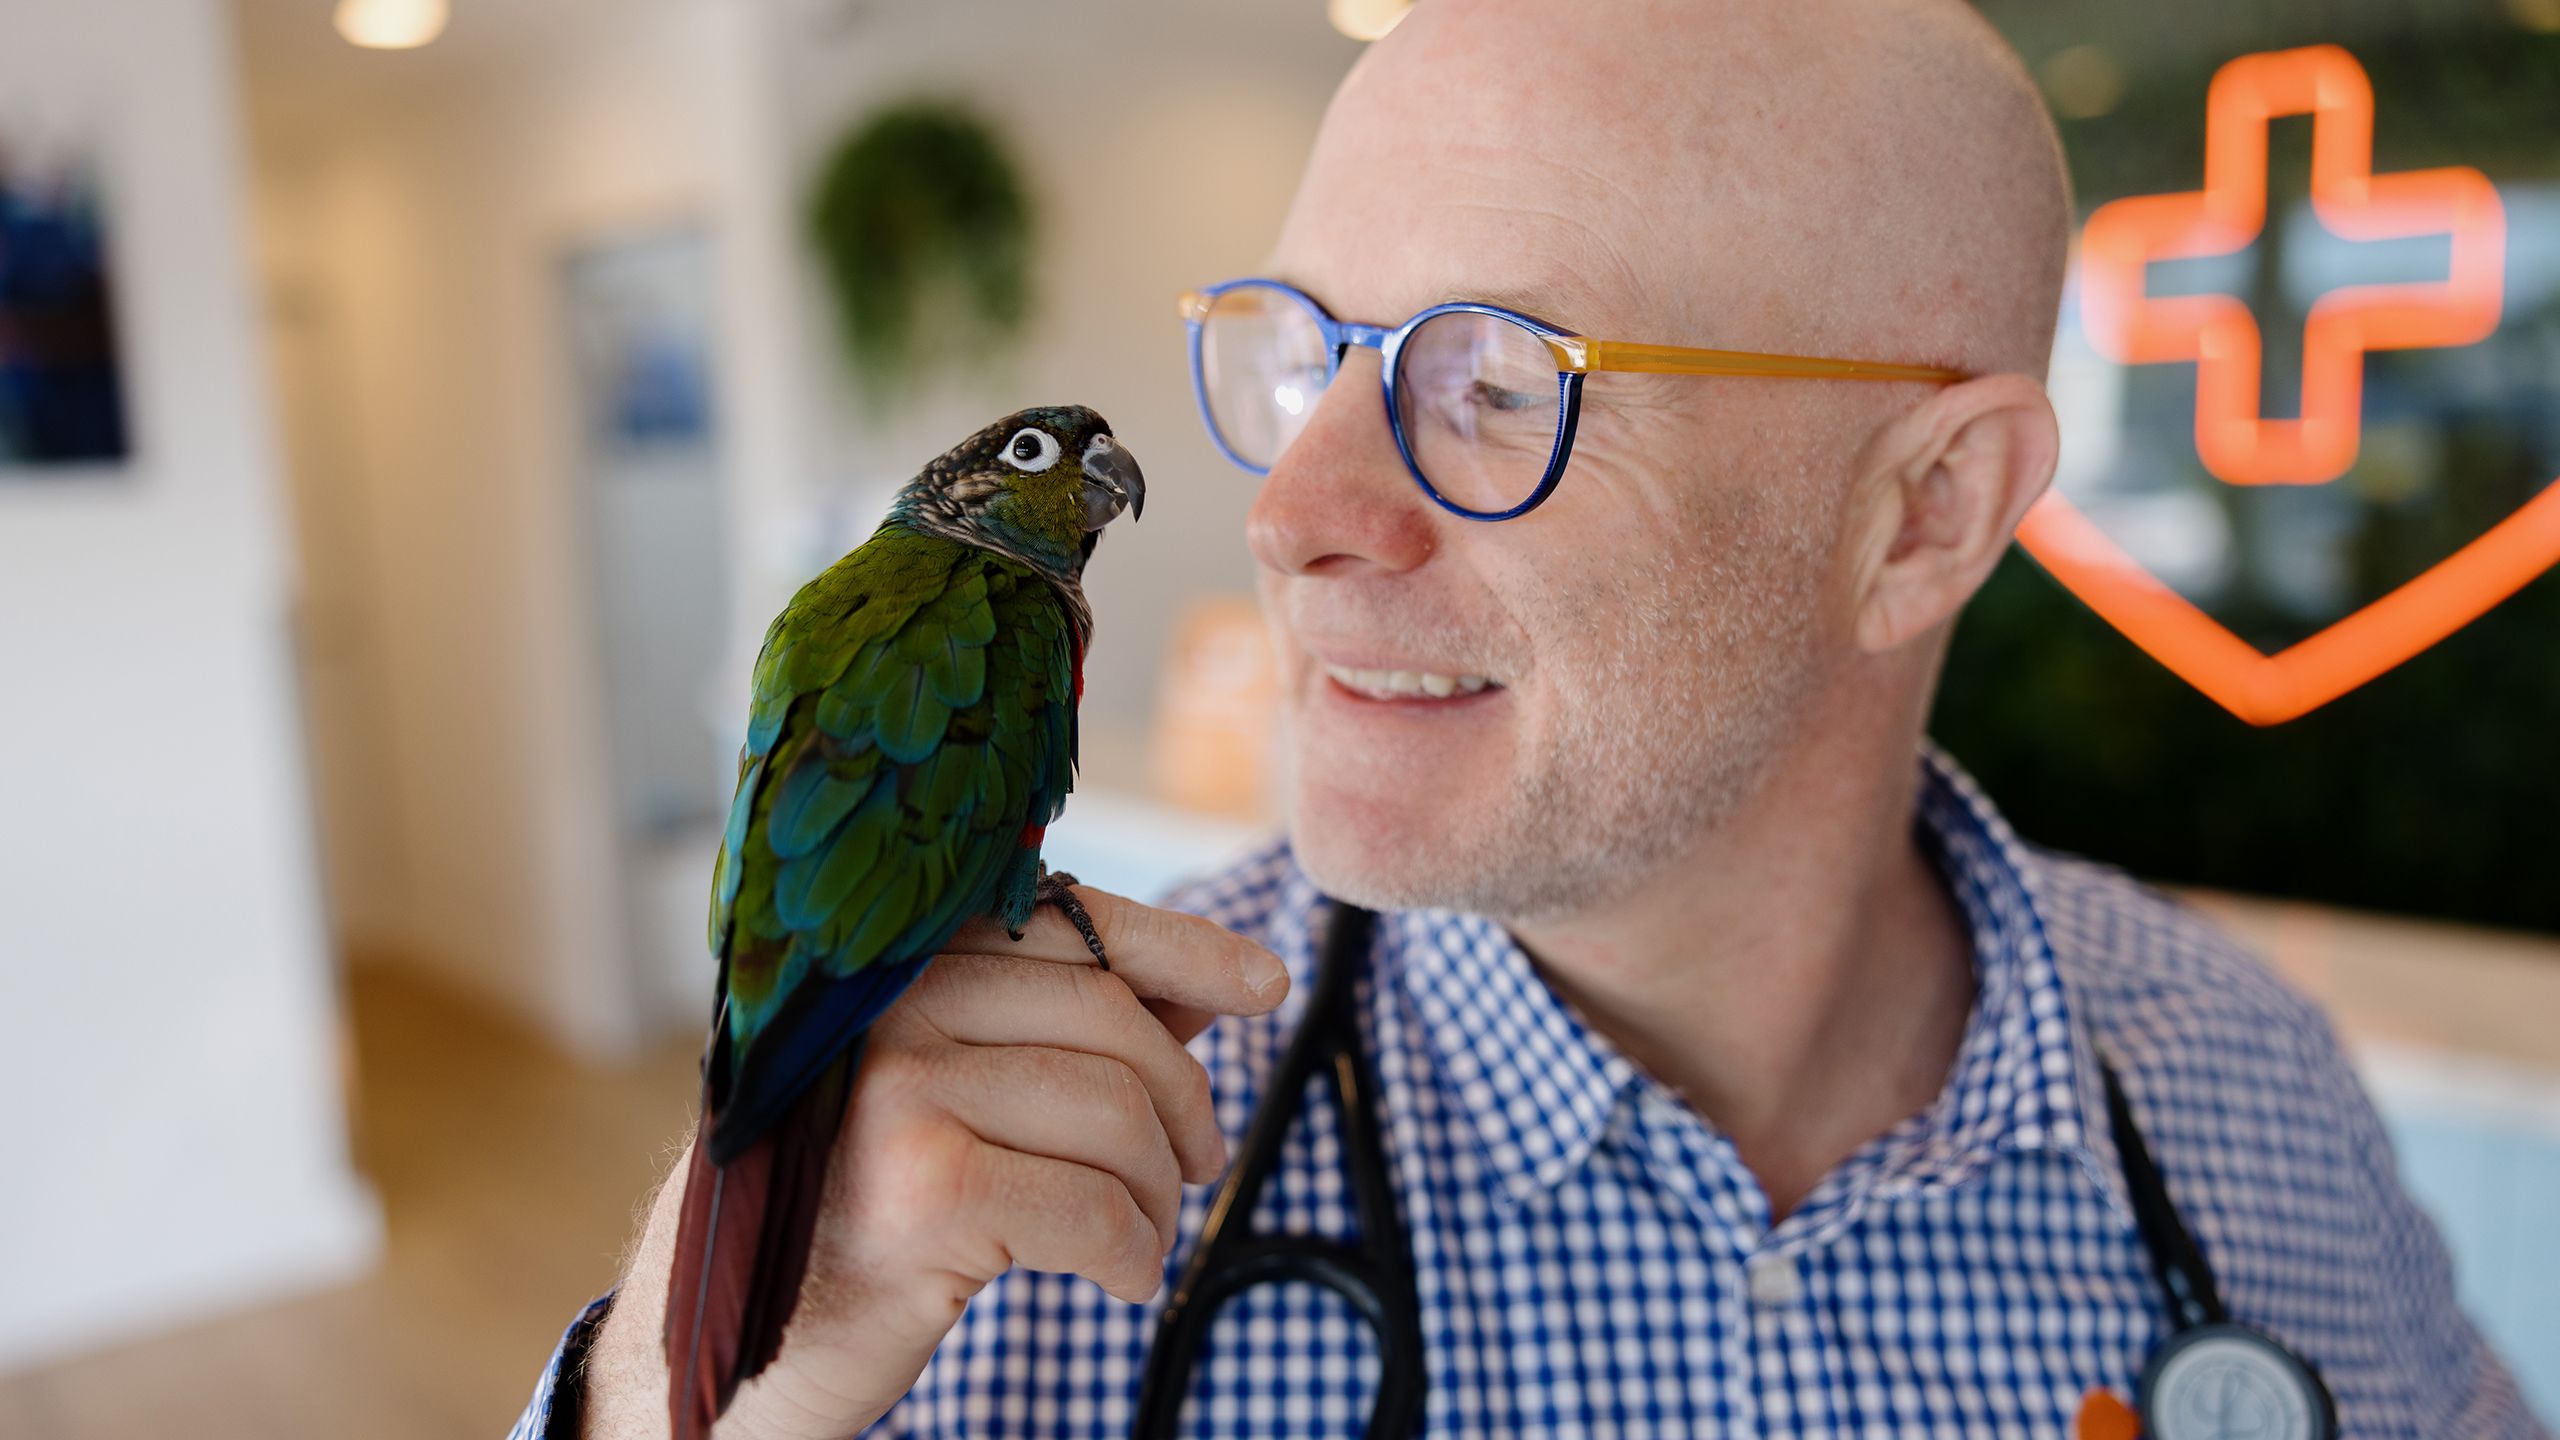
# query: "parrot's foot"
x,y
1053,890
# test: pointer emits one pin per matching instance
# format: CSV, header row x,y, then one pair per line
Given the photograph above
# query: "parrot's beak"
x,y
1112,483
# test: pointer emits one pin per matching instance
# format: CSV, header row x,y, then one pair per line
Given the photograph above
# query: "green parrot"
x,y
912,732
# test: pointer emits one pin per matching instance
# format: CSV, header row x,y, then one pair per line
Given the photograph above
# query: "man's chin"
x,y
1507,862
1391,820
1353,879
1383,856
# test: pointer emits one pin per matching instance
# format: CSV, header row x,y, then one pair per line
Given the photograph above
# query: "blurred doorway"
x,y
639,315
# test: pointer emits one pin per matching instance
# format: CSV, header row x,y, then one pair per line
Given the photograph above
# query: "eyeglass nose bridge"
x,y
1346,334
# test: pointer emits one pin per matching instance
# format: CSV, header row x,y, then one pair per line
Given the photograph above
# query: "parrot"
x,y
911,734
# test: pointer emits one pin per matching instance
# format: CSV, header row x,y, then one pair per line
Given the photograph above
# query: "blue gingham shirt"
x,y
1593,1258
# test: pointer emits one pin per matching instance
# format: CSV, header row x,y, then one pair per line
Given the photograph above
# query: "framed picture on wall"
x,y
638,312
63,409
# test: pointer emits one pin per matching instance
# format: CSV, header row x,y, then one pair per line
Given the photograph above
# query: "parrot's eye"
x,y
1034,450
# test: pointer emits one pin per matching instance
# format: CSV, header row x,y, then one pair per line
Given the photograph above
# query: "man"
x,y
1740,1071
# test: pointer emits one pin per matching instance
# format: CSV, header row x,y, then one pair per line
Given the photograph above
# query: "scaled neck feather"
x,y
931,512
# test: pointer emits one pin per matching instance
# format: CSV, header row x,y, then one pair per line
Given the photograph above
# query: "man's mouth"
x,y
1406,684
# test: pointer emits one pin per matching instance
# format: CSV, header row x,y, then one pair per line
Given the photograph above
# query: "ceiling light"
x,y
1366,19
390,24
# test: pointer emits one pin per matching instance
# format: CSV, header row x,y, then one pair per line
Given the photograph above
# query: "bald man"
x,y
1739,1071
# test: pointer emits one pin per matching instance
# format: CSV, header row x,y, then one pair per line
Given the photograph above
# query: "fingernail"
x,y
1263,972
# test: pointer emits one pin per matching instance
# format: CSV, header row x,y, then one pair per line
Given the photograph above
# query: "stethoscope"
x,y
2211,1379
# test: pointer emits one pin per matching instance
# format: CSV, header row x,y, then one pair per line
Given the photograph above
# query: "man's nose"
x,y
1339,499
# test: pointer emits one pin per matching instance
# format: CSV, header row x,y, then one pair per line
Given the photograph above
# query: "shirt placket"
x,y
1699,1168
1766,1355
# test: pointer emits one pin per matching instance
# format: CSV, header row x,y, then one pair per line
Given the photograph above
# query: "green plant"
x,y
925,231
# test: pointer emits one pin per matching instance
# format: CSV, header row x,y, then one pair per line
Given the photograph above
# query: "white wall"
x,y
173,1072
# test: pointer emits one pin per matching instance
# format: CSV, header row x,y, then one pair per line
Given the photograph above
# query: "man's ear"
x,y
1947,484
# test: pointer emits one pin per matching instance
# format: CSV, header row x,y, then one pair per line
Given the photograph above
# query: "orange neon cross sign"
x,y
2234,439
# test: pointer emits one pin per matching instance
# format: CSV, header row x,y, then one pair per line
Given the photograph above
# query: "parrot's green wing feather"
x,y
913,727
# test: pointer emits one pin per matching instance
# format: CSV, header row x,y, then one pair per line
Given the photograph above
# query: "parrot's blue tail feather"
x,y
813,1027
742,1246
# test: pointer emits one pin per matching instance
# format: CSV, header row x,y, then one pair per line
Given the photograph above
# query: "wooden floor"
x,y
508,1178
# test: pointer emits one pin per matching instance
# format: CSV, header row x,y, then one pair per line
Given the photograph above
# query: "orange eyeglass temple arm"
x,y
1577,354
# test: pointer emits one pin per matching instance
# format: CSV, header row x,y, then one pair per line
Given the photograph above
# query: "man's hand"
x,y
1018,1105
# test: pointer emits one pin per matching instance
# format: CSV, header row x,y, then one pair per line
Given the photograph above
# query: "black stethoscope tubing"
x,y
2197,1315
2176,1259
1376,1276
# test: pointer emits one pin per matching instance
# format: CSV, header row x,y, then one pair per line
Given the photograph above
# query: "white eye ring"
x,y
1044,447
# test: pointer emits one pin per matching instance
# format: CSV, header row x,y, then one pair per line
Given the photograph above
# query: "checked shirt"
x,y
1594,1260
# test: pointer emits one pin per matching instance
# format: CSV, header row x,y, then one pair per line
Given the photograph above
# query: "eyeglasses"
x,y
1482,400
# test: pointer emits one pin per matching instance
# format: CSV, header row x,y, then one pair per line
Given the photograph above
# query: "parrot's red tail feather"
x,y
742,1246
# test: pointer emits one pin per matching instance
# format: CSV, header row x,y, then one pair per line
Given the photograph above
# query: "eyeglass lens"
x,y
1262,365
1476,394
1477,398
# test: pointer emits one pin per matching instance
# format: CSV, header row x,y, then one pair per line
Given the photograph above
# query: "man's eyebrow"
x,y
1543,300
1551,302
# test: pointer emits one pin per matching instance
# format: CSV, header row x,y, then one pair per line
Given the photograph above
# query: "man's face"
x,y
1652,629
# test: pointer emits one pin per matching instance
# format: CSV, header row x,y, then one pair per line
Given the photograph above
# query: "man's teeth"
x,y
1405,684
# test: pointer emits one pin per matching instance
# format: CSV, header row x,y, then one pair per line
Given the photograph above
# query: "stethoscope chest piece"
x,y
2224,1382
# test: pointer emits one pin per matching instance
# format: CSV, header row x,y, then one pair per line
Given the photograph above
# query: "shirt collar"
x,y
2026,1074
1543,1089
1539,1085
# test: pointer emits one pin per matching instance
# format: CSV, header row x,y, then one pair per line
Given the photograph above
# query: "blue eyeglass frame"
x,y
1341,335
1576,356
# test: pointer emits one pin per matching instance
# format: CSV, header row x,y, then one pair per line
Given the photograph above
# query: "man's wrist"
x,y
621,1388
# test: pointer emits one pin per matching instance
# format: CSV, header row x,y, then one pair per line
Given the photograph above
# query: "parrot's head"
x,y
1038,484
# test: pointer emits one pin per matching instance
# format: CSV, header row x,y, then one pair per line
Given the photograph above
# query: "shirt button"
x,y
1774,1280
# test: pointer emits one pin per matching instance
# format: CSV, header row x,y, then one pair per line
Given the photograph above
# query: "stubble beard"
x,y
1671,689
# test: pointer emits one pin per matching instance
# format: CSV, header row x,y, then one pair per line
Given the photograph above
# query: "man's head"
x,y
1734,575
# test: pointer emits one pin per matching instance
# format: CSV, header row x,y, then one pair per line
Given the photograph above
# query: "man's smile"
x,y
1386,684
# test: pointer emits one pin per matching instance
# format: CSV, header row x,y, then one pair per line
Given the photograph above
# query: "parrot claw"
x,y
1053,890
